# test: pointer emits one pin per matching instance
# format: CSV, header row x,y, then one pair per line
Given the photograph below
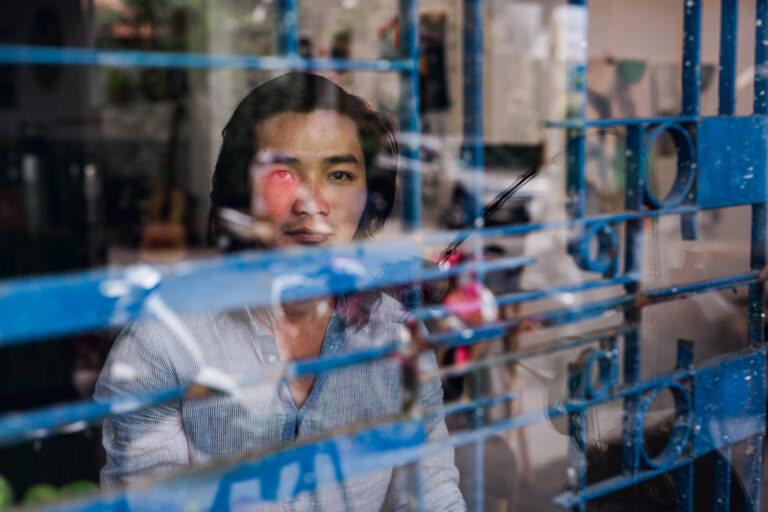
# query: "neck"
x,y
299,313
287,321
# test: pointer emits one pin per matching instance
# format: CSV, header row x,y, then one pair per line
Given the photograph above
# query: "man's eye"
x,y
339,176
282,174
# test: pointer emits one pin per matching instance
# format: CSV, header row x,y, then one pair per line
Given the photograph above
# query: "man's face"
x,y
308,177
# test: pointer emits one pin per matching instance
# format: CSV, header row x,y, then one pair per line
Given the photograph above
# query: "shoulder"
x,y
155,353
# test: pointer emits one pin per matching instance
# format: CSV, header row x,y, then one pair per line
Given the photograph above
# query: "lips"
x,y
306,235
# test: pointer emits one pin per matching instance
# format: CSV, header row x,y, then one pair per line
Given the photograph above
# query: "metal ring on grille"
x,y
607,245
681,430
686,158
606,377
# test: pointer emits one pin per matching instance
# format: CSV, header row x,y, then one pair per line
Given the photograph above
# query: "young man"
x,y
300,157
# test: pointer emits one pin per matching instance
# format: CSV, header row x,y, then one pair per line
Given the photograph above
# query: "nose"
x,y
310,199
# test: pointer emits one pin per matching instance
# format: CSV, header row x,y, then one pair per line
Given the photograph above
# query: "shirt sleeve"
x,y
440,477
150,442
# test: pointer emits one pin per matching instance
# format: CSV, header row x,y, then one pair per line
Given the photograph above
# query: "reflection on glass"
x,y
299,163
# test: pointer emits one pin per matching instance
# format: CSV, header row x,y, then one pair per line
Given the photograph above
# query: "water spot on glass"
x,y
122,371
113,288
143,276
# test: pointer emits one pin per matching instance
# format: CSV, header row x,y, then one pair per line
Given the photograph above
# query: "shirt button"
x,y
271,358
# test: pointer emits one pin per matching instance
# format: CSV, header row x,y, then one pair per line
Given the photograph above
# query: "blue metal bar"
x,y
613,484
641,386
729,43
288,27
577,430
410,115
633,201
683,291
758,260
575,160
473,145
684,487
547,319
518,355
633,253
473,158
576,104
19,54
691,57
26,426
723,481
631,303
758,251
16,427
602,123
34,308
410,124
477,267
522,229
761,58
516,298
469,405
753,471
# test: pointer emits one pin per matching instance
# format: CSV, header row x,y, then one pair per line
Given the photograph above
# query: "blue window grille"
x,y
721,162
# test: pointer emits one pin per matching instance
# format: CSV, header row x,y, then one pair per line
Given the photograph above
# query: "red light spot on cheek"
x,y
277,192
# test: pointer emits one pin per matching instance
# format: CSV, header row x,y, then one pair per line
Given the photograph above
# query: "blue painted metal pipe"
x,y
410,115
729,44
519,355
572,499
597,123
473,159
473,144
753,470
686,290
521,229
761,57
20,54
31,309
288,27
576,104
542,320
723,481
518,297
577,430
691,57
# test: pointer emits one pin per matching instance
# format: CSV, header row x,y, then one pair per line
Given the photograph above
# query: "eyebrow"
x,y
342,159
283,158
270,157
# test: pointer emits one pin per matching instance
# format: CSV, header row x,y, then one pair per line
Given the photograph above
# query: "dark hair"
x,y
303,93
